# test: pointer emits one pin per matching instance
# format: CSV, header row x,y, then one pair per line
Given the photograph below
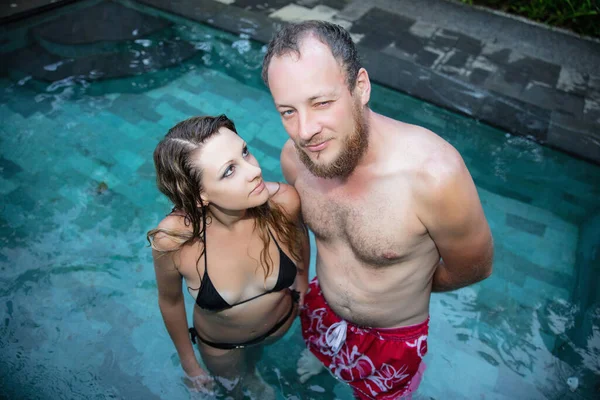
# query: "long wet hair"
x,y
178,178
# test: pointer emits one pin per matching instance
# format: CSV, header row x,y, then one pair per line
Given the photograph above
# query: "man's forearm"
x,y
444,280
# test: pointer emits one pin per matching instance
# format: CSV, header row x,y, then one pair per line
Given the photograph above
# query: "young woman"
x,y
239,244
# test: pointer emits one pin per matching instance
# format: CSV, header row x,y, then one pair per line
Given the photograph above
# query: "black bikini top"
x,y
209,298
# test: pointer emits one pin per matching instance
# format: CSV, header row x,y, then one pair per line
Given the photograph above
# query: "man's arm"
x,y
451,211
288,162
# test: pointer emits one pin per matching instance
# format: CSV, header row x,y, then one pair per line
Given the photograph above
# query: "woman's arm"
x,y
172,308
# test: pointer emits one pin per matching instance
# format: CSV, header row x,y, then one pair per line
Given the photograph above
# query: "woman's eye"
x,y
323,103
286,113
245,152
229,171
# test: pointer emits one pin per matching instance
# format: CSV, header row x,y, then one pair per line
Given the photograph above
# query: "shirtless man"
x,y
392,206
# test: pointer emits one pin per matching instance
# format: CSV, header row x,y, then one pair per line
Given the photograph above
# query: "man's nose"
x,y
308,126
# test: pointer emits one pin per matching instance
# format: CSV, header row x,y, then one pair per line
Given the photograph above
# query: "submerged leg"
x,y
255,385
235,371
308,365
226,366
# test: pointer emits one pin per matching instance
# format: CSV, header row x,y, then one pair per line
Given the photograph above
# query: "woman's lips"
x,y
259,188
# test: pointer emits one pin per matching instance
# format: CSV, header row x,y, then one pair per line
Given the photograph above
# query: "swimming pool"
x,y
78,298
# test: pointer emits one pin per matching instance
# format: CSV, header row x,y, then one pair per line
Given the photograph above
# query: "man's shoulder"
x,y
290,164
424,155
288,152
287,197
411,135
439,168
417,147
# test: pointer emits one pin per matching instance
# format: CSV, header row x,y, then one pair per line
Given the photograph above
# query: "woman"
x,y
242,251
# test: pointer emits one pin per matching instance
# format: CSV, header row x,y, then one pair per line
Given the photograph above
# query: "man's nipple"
x,y
390,255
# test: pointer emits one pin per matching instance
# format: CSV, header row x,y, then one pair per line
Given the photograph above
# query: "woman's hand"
x,y
302,288
199,381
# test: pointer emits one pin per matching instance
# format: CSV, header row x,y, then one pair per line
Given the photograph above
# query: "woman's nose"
x,y
254,171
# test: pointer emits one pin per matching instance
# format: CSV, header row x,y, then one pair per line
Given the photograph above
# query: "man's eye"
x,y
323,103
229,171
287,113
245,151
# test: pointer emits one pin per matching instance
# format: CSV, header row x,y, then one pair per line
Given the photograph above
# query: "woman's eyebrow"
x,y
220,171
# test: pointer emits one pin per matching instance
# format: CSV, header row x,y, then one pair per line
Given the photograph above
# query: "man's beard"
x,y
352,151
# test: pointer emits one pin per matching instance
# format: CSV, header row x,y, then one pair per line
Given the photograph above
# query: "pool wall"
x,y
586,294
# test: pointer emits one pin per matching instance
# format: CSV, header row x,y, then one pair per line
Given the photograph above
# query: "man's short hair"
x,y
288,40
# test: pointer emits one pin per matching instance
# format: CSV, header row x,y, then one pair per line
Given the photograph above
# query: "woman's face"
x,y
231,176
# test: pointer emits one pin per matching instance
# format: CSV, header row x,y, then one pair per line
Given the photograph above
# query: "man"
x,y
393,208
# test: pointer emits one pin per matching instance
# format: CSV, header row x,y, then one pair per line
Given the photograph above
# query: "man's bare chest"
x,y
379,226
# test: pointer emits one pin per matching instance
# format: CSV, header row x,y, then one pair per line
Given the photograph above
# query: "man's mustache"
x,y
313,141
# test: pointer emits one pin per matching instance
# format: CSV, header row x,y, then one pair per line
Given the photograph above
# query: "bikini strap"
x,y
205,254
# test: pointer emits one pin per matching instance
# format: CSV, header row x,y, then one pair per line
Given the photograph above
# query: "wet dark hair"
x,y
289,39
178,178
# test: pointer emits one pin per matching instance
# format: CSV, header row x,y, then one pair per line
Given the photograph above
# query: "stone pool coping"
x,y
14,10
522,78
554,105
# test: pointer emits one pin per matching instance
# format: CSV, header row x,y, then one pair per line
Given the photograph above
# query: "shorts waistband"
x,y
403,331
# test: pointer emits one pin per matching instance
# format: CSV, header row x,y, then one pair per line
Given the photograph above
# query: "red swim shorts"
x,y
380,364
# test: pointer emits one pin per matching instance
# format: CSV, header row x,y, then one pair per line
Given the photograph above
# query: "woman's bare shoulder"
x,y
174,223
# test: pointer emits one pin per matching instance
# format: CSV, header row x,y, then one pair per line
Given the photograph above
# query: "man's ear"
x,y
363,86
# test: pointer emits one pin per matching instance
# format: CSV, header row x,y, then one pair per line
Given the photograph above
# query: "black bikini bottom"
x,y
228,346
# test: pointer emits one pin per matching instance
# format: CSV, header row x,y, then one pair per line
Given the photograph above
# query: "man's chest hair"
x,y
377,231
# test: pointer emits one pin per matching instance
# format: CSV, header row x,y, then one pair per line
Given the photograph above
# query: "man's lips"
x,y
259,188
317,147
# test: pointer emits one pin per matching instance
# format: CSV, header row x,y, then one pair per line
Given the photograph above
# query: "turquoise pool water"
x,y
78,303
